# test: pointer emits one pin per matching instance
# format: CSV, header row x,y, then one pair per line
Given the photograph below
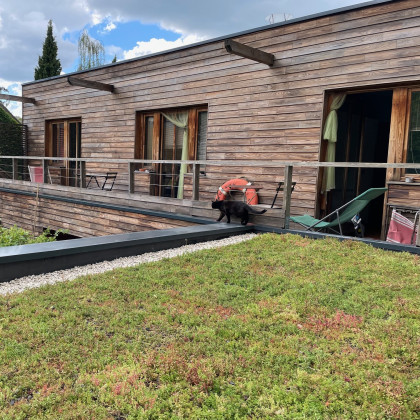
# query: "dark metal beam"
x,y
233,47
17,98
75,81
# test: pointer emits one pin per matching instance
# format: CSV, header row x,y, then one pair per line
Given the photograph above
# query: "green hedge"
x,y
12,136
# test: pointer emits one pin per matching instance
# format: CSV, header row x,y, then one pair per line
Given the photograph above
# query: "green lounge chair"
x,y
343,214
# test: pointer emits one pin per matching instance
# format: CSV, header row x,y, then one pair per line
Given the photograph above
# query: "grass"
x,y
277,327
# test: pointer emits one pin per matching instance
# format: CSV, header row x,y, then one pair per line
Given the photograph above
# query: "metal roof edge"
x,y
224,37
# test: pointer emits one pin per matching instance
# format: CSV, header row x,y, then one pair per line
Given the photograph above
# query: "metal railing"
x,y
84,167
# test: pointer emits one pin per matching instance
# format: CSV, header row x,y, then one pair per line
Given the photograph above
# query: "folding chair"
x,y
280,187
343,214
109,180
36,174
402,230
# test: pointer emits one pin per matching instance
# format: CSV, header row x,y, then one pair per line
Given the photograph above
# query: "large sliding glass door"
x,y
170,135
171,150
63,139
413,140
75,128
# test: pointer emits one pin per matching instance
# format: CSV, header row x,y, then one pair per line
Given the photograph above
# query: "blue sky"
x,y
127,28
119,37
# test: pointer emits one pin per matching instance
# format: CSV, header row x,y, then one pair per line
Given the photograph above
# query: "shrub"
x,y
18,236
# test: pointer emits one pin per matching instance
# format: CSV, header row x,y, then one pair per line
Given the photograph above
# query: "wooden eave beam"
x,y
233,47
75,81
17,98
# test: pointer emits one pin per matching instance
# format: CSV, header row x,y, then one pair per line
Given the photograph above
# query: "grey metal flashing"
x,y
387,246
153,213
19,261
23,260
225,37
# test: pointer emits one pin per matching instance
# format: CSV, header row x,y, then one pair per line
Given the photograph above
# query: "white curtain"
x,y
330,134
180,119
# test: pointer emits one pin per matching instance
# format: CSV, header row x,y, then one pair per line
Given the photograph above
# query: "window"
x,y
58,140
202,136
413,143
63,139
179,134
148,138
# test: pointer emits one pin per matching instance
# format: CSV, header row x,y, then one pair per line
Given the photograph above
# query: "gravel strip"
x,y
30,282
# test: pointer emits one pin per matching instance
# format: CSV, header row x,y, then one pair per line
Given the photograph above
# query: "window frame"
x,y
49,147
407,130
140,135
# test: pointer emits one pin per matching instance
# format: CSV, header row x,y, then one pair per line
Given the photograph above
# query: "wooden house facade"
x,y
236,108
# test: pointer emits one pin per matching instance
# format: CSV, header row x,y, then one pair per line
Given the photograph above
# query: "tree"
x,y
48,64
4,101
91,52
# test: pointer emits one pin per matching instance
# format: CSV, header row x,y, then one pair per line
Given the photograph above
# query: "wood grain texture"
x,y
77,81
254,112
255,54
80,220
397,135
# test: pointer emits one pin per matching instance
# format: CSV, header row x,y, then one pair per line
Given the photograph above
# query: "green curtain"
x,y
180,119
330,134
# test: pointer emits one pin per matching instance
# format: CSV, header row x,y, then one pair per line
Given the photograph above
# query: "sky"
x,y
127,28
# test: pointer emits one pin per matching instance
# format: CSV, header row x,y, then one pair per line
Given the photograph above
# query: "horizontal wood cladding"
x,y
404,194
254,112
80,220
300,32
192,69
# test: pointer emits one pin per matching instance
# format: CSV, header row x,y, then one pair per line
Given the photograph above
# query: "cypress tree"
x,y
48,64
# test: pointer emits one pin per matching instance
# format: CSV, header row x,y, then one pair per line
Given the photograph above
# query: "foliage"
x,y
18,236
11,141
48,64
5,102
5,116
277,327
91,52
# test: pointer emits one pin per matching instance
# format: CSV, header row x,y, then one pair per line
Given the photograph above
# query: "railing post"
x,y
196,181
82,180
287,194
15,168
131,167
45,170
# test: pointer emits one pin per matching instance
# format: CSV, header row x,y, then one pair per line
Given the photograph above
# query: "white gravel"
x,y
30,282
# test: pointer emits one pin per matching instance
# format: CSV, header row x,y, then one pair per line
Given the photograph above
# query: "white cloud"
x,y
155,45
3,43
23,31
23,24
110,27
13,88
96,18
209,18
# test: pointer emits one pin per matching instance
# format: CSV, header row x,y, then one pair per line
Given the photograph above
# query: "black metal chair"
x,y
109,178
